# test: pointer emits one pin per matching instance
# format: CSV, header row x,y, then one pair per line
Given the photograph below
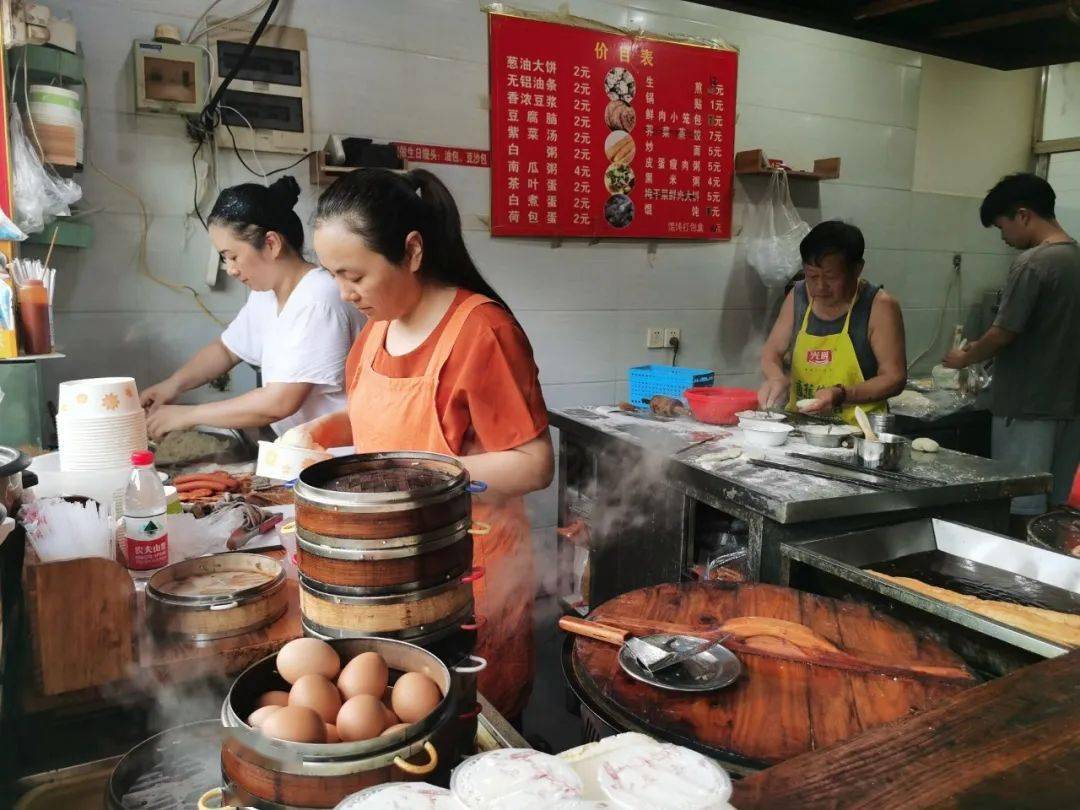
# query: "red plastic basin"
x,y
718,406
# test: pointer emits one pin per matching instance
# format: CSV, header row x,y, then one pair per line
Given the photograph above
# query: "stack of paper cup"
x,y
100,424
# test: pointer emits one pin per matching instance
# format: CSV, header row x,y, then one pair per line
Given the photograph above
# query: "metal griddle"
x,y
959,557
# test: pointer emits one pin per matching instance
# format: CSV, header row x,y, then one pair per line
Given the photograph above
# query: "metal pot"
x,y
276,774
170,769
890,452
13,477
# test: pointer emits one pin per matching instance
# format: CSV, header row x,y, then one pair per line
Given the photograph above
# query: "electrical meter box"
x,y
267,104
169,78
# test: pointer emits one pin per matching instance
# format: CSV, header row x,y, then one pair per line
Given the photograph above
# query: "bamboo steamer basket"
x,y
380,496
344,612
386,566
263,773
216,610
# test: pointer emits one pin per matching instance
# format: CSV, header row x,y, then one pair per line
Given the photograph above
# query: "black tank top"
x,y
859,329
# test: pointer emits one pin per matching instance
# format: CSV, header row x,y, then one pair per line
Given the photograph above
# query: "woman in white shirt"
x,y
294,326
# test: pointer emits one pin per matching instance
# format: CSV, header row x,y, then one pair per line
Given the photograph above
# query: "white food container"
x,y
99,396
757,417
284,462
400,796
765,434
664,777
520,778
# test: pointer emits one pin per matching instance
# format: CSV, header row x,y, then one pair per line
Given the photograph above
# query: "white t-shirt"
x,y
307,342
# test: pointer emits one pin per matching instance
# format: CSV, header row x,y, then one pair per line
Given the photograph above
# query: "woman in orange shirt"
x,y
442,366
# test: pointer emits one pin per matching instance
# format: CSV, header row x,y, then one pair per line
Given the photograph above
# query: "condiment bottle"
x,y
146,534
34,317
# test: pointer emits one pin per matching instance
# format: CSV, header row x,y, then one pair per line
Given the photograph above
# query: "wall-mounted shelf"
x,y
71,234
753,161
323,174
46,65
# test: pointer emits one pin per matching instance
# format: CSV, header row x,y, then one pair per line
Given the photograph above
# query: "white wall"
x,y
975,125
416,70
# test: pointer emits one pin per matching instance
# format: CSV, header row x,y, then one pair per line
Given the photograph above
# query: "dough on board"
x,y
726,454
924,445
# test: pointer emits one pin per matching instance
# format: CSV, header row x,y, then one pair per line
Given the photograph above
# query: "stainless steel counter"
x,y
788,497
649,501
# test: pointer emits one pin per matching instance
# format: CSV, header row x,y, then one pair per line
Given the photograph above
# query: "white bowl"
x,y
757,417
765,434
284,462
99,396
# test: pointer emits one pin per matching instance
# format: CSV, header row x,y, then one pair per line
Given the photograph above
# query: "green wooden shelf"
x,y
72,234
46,65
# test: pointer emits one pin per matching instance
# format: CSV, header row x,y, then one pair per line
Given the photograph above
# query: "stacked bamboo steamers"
x,y
384,548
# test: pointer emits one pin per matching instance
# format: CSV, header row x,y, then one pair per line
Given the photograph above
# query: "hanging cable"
x,y
206,117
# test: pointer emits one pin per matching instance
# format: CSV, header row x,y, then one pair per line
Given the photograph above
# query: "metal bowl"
x,y
890,452
826,435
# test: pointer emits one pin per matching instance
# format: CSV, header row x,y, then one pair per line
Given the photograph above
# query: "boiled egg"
x,y
275,698
366,674
318,693
257,717
295,724
307,656
415,696
361,718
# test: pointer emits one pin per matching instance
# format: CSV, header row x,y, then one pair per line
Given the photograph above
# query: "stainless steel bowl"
x,y
826,435
888,453
882,422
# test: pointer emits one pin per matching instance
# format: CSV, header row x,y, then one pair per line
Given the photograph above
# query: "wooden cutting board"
x,y
778,708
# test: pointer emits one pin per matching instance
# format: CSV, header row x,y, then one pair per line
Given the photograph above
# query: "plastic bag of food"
x,y
39,193
773,232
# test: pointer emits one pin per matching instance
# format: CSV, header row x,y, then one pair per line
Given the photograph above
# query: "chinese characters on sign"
x,y
423,153
597,134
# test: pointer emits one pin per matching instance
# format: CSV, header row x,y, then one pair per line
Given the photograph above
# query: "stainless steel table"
x,y
648,502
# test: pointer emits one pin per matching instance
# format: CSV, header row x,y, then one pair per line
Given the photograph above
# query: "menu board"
x,y
597,134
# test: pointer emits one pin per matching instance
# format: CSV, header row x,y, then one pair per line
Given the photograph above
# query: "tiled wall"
x,y
416,70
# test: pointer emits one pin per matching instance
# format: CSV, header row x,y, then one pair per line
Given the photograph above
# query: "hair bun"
x,y
286,190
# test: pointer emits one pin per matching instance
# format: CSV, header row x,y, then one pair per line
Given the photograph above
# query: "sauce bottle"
x,y
34,318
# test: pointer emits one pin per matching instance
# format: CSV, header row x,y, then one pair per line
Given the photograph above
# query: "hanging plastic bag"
x,y
40,194
773,232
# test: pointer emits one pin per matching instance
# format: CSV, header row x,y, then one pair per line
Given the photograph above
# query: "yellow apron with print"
x,y
825,361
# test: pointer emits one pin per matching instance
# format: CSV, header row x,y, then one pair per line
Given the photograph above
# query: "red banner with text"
x,y
603,135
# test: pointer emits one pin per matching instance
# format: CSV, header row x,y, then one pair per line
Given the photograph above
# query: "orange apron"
x,y
388,414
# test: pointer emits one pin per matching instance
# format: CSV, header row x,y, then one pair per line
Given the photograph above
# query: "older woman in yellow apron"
x,y
838,341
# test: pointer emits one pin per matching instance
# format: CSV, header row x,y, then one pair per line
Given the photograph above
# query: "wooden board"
x,y
80,622
1011,743
778,709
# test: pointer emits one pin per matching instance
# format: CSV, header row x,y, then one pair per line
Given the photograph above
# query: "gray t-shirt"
x,y
1037,376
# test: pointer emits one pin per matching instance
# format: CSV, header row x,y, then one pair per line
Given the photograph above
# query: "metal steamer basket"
x,y
264,773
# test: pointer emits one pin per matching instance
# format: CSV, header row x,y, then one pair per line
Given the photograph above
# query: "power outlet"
x,y
672,335
654,338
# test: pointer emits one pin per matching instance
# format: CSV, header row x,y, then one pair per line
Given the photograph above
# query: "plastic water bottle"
x,y
146,535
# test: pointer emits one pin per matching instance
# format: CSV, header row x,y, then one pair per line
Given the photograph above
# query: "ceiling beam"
x,y
997,21
879,8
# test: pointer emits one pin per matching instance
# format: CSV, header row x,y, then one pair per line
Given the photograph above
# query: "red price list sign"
x,y
601,135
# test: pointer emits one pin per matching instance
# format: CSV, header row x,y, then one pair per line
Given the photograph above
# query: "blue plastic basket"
x,y
670,381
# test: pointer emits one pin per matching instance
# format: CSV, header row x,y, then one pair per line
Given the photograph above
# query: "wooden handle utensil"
x,y
594,630
864,423
791,641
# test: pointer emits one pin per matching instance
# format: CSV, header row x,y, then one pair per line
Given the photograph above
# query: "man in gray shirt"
x,y
1035,339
